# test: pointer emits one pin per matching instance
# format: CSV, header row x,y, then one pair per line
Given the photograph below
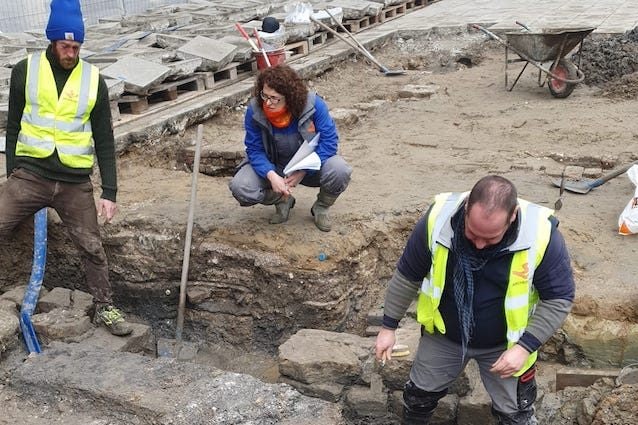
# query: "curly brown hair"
x,y
285,81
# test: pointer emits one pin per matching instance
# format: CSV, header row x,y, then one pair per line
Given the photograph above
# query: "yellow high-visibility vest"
x,y
520,298
50,122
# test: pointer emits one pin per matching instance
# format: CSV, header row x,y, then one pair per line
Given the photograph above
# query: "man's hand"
x,y
106,209
510,362
277,183
383,347
295,178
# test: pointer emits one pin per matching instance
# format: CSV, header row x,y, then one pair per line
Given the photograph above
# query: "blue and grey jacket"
x,y
269,148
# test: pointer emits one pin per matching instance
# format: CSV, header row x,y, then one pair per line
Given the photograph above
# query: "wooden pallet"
x,y
228,74
168,91
319,39
393,12
297,49
356,25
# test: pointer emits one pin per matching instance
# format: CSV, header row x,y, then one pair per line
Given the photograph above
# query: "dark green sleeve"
x,y
16,107
102,128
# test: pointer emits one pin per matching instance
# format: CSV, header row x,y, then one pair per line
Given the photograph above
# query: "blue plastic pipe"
x,y
35,282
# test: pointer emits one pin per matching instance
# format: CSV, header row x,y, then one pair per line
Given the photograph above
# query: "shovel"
x,y
584,186
357,46
177,348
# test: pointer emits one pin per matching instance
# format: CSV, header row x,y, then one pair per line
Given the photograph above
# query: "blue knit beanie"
x,y
65,21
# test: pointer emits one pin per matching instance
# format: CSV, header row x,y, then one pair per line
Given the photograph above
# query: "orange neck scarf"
x,y
279,118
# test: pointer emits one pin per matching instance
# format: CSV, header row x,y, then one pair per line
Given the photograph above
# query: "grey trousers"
x,y
26,193
250,189
438,363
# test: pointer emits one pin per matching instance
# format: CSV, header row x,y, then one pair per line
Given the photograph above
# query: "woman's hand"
x,y
295,178
278,183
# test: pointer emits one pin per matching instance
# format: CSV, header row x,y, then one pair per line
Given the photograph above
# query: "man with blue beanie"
x,y
59,121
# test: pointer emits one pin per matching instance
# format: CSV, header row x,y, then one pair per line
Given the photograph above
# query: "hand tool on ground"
x,y
244,34
167,348
261,47
383,69
584,186
559,202
363,50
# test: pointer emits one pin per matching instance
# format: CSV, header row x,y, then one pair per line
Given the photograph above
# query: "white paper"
x,y
311,162
305,158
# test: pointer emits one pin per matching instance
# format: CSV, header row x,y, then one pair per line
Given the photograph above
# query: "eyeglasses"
x,y
272,99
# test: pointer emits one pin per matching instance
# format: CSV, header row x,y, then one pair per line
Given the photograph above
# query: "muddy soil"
x,y
404,150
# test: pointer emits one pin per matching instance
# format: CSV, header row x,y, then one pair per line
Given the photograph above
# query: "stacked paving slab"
x,y
190,47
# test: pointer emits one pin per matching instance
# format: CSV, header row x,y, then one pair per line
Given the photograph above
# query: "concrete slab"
x,y
138,74
215,54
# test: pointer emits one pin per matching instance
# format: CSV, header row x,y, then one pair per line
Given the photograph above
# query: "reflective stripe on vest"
x,y
521,296
57,122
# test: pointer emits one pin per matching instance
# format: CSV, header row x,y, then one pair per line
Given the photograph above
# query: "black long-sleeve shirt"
x,y
553,280
51,167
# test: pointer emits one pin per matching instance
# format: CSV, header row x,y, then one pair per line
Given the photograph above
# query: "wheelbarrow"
x,y
539,48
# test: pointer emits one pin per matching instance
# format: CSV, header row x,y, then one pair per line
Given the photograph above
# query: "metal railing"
x,y
32,15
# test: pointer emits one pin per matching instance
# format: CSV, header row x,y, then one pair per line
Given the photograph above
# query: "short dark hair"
x,y
285,81
494,193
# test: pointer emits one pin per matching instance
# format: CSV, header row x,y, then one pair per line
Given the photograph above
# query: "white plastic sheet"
x,y
628,220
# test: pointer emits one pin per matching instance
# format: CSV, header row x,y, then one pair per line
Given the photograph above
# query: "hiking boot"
x,y
112,319
320,208
283,208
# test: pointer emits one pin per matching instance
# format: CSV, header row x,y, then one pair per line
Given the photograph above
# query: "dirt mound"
x,y
607,59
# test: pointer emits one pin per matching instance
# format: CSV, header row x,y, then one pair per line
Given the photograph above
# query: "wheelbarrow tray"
x,y
546,46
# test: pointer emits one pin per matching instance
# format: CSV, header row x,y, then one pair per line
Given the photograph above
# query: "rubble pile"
x,y
606,60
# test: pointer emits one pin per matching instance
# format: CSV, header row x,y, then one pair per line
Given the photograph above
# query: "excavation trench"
x,y
251,285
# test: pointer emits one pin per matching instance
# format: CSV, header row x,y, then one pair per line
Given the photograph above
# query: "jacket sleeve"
x,y
329,137
102,128
16,108
255,151
554,282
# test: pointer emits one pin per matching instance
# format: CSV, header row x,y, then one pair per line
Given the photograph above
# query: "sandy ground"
x,y
405,150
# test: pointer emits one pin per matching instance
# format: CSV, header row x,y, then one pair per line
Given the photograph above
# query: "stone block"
x,y
215,54
365,402
418,91
116,88
61,324
326,391
81,301
169,41
57,298
141,340
573,377
138,75
603,342
344,117
9,327
630,355
445,412
315,356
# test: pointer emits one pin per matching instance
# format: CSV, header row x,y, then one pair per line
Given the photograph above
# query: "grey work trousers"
x,y
250,189
25,193
439,362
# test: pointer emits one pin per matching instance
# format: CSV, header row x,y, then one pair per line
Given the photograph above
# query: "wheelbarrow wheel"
x,y
566,70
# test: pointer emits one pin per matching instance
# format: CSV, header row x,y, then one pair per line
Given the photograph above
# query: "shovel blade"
x,y
581,187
